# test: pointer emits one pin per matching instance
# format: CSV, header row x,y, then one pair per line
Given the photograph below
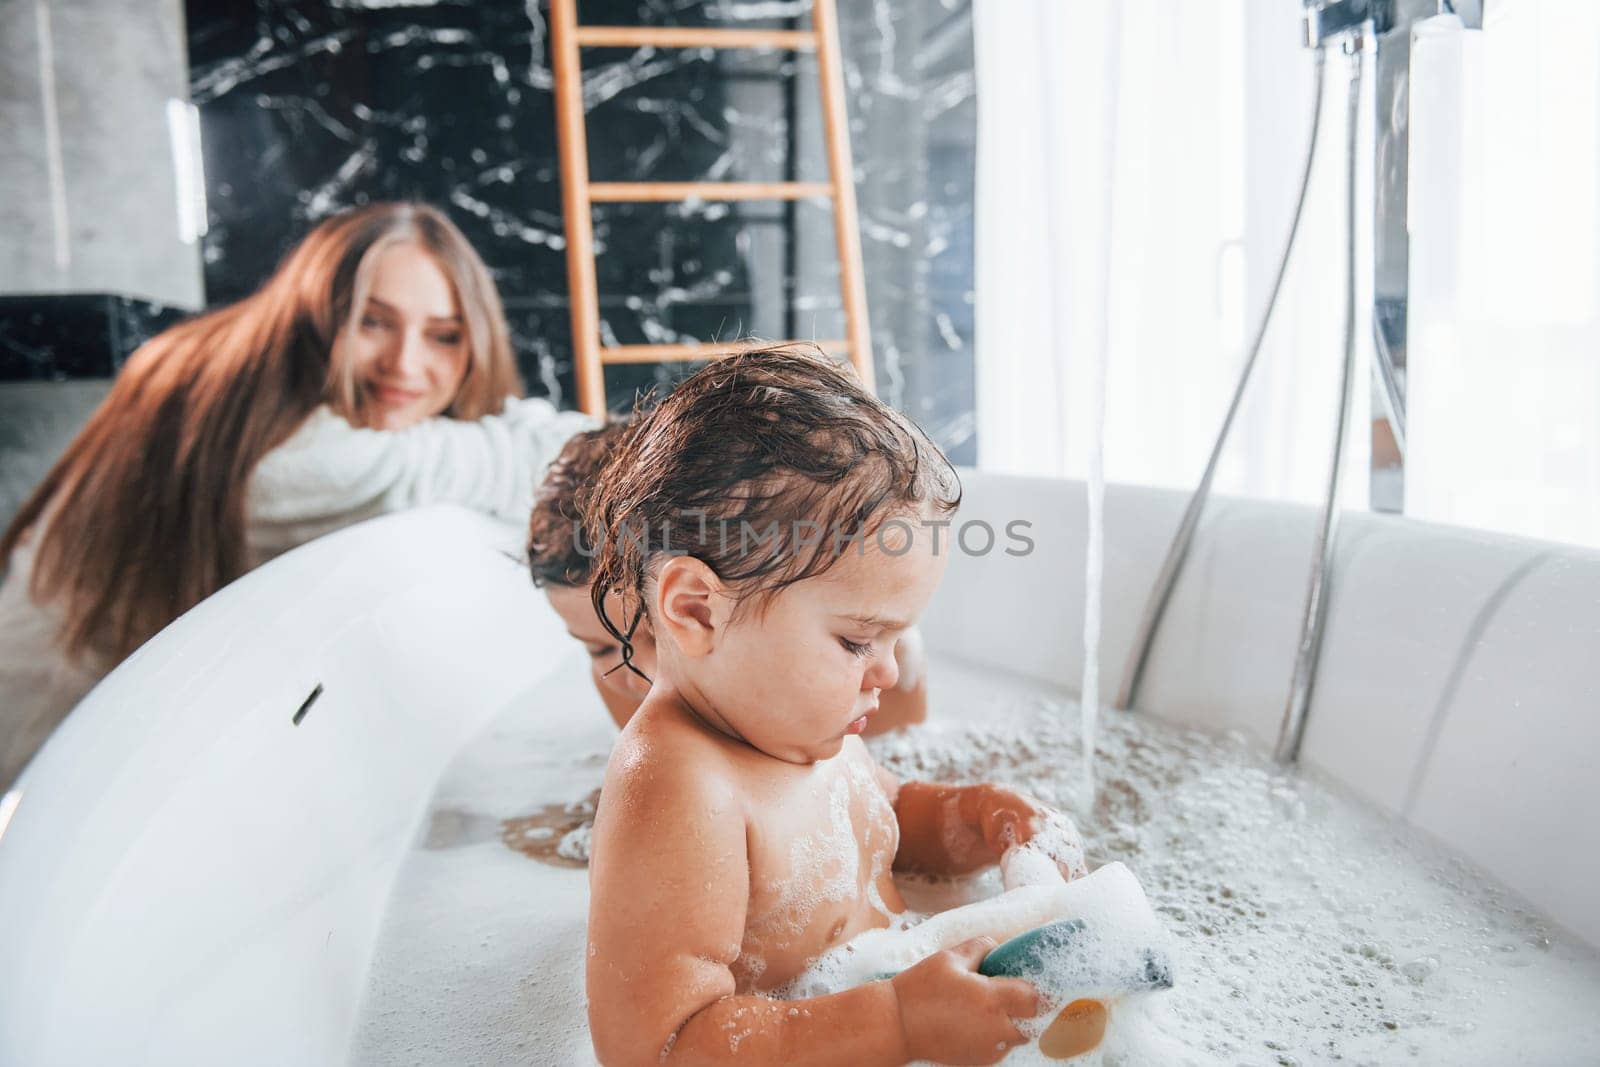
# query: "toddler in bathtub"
x,y
561,563
776,525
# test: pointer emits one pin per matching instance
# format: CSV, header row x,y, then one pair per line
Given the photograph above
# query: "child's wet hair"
x,y
557,554
776,440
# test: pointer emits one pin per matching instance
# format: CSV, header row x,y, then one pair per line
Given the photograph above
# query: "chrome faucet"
x,y
1326,19
1389,24
1383,28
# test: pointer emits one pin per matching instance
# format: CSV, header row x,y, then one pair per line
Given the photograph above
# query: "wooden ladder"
x,y
579,194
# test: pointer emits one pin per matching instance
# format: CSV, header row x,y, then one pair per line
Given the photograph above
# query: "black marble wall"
x,y
308,106
51,337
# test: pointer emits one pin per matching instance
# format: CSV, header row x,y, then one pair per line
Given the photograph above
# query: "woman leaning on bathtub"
x,y
240,434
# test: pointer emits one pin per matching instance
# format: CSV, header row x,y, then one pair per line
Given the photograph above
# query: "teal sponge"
x,y
1053,951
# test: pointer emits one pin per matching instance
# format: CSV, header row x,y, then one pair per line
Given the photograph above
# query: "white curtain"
x,y
1137,166
1505,272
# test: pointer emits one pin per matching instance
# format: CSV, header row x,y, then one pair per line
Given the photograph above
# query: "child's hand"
x,y
1007,819
951,1014
955,829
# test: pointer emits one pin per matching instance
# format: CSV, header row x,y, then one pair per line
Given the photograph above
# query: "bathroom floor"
x,y
1310,928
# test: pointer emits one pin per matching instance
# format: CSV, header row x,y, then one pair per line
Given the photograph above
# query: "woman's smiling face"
x,y
407,345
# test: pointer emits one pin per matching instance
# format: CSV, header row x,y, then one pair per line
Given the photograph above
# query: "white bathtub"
x,y
190,877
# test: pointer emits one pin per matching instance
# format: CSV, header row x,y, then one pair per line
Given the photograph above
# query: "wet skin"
x,y
743,829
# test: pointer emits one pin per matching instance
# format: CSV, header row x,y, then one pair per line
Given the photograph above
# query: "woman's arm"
x,y
330,474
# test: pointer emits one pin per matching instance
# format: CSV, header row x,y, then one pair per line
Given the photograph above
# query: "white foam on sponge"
x,y
1119,928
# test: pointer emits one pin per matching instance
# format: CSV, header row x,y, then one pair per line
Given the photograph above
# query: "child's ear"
x,y
690,605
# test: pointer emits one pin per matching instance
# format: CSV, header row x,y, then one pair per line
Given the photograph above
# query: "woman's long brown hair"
x,y
143,516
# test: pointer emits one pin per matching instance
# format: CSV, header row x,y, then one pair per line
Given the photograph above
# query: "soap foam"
x,y
824,869
1104,956
1307,928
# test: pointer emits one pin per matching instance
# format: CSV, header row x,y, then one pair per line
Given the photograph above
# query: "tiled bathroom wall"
x,y
308,106
93,259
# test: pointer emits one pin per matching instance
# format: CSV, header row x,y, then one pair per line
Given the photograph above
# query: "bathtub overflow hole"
x,y
305,707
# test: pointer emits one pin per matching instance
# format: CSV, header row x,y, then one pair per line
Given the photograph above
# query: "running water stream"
x,y
1099,356
1094,577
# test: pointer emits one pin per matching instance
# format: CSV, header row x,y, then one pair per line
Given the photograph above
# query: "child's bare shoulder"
x,y
664,761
